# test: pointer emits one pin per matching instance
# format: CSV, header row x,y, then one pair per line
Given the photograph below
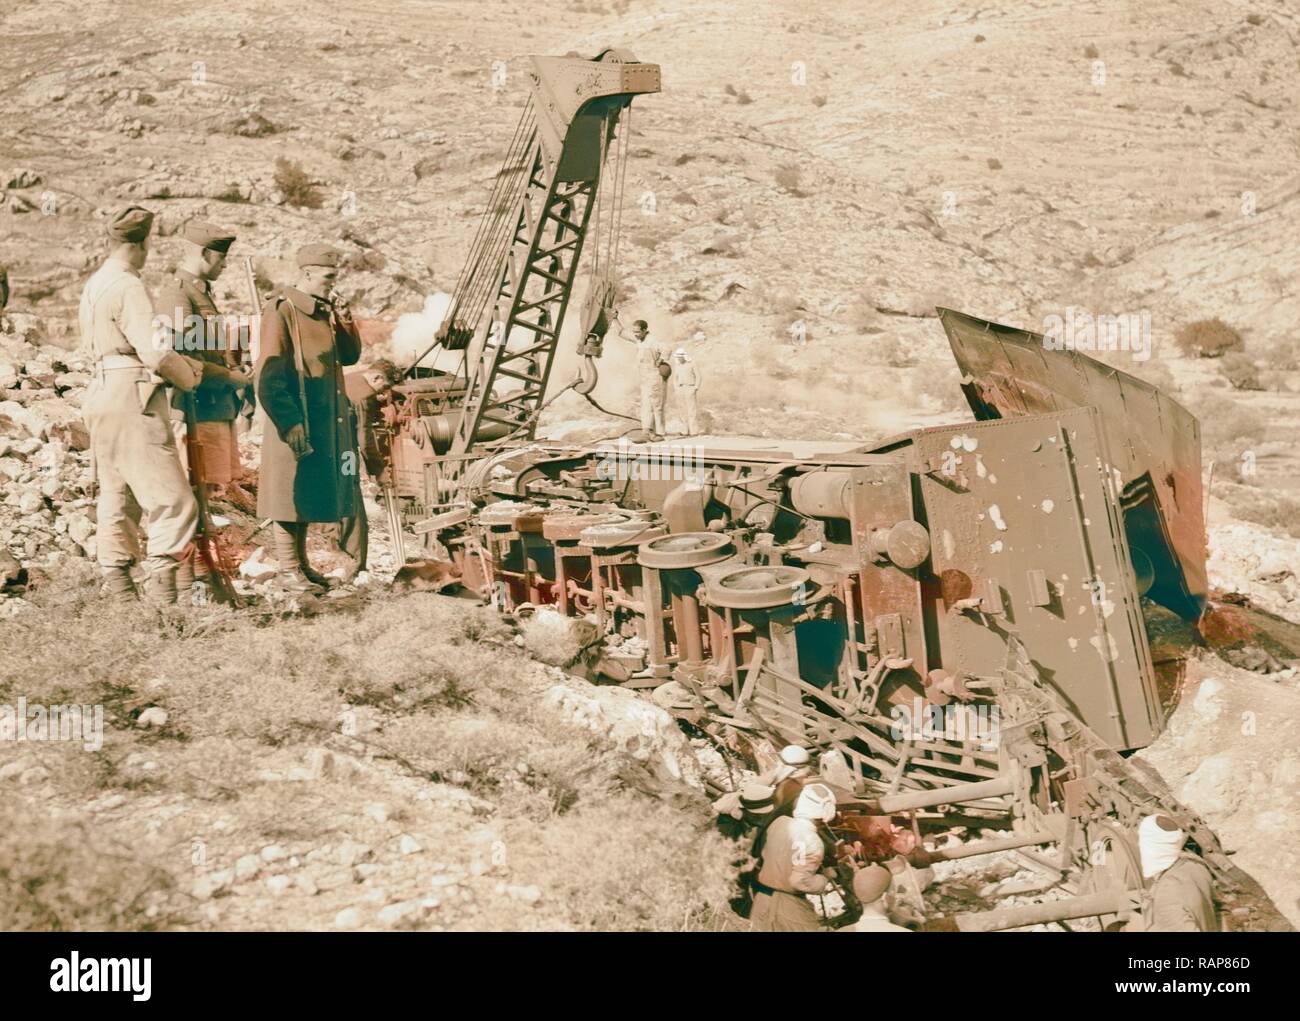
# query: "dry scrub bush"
x,y
787,177
1240,370
295,185
1270,507
58,874
620,866
1208,338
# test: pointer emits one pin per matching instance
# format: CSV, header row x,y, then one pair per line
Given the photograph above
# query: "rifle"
x,y
246,357
207,544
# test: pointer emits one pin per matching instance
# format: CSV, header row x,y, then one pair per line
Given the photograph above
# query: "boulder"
x,y
640,730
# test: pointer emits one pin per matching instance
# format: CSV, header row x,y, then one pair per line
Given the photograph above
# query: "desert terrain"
x,y
813,181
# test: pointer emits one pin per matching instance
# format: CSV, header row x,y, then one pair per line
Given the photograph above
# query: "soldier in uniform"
x,y
126,413
309,452
199,332
4,286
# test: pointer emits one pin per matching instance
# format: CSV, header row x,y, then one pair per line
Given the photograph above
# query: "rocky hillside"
x,y
812,182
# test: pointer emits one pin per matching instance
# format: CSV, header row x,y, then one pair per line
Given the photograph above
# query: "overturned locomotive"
x,y
953,619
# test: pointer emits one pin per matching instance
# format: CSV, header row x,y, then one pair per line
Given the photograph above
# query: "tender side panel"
x,y
1023,516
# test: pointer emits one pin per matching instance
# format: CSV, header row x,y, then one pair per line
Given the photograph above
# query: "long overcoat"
x,y
320,487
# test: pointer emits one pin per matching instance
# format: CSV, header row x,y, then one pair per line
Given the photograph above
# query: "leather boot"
x,y
118,585
284,537
160,580
185,582
304,561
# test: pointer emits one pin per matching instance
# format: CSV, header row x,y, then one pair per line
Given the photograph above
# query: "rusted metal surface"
x,y
1154,442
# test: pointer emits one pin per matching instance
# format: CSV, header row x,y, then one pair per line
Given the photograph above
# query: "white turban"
x,y
816,801
1159,842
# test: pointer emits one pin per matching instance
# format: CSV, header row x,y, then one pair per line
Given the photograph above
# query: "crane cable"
x,y
505,194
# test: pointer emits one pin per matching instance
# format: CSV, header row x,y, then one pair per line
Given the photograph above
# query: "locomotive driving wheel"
x,y
684,550
760,588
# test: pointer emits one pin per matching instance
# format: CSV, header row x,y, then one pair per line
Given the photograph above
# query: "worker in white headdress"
x,y
1180,895
794,863
870,884
686,387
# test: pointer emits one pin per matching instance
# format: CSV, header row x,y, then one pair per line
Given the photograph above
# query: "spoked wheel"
x,y
760,588
684,550
1113,864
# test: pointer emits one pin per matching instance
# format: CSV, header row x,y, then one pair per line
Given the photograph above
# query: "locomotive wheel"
x,y
684,550
1113,864
760,588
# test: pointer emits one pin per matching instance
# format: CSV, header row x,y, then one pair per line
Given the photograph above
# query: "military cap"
x,y
757,797
131,224
319,255
207,236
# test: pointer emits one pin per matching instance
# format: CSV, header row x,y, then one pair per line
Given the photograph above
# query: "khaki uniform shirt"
x,y
186,295
792,857
118,331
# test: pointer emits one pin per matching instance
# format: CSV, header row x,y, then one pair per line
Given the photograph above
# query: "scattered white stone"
x,y
350,852
402,911
107,803
307,885
247,867
274,852
348,918
213,884
278,884
527,894
255,567
377,811
409,845
154,716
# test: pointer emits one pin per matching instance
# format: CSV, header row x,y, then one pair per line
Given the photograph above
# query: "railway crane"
x,y
558,194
